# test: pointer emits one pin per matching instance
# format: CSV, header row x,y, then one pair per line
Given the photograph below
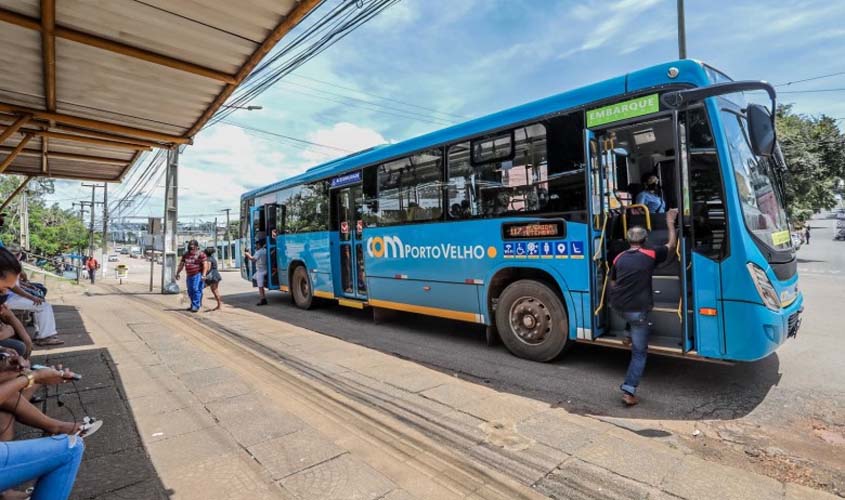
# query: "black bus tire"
x,y
300,288
532,321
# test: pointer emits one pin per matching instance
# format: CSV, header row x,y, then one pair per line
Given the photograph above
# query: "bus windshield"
x,y
761,201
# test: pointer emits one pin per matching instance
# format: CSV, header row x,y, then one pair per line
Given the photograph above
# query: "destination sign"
x,y
531,230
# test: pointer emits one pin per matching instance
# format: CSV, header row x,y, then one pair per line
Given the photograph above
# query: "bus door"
x,y
349,202
598,216
257,225
272,213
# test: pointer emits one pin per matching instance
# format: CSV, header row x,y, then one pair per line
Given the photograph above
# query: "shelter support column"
x,y
169,228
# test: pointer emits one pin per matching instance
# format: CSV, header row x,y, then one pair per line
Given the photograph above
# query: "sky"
x,y
425,64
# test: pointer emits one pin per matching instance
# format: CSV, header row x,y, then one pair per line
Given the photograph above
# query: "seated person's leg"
x,y
7,427
53,461
25,413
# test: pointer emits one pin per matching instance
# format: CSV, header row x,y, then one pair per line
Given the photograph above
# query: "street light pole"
x,y
682,32
228,240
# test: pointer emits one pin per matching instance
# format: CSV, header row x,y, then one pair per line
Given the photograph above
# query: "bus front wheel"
x,y
532,321
303,296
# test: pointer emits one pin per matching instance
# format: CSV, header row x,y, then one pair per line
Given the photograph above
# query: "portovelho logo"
x,y
391,247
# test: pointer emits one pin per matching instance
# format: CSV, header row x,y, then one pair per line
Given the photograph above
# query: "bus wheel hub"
x,y
530,320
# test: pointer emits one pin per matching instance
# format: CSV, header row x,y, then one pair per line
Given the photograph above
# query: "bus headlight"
x,y
764,287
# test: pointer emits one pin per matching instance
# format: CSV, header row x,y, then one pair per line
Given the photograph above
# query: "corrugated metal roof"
x,y
125,71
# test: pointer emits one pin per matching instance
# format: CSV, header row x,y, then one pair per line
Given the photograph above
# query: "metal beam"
x,y
288,23
15,193
118,48
11,129
69,156
48,51
90,140
14,154
94,124
108,137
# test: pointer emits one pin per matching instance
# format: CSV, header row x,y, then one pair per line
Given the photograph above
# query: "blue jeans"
x,y
638,322
53,461
195,285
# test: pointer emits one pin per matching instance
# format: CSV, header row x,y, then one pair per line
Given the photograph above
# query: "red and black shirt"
x,y
193,262
631,273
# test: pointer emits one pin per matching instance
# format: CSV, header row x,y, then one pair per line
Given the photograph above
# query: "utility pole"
x,y
228,256
215,233
171,221
24,212
94,202
682,32
105,258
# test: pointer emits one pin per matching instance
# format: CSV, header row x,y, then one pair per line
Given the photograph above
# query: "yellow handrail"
x,y
625,217
603,289
601,239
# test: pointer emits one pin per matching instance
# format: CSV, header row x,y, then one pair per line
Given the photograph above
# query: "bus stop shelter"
x,y
87,86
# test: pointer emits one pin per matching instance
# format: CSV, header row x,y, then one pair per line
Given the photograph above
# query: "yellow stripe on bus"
x,y
323,295
356,304
431,311
284,288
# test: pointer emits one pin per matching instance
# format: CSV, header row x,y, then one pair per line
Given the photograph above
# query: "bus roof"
x,y
690,72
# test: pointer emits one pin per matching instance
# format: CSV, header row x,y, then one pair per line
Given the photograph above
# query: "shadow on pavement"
x,y
585,380
115,464
71,328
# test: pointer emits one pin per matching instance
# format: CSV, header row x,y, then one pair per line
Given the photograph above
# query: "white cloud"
x,y
344,136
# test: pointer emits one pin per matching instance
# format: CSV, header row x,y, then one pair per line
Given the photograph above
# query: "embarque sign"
x,y
623,110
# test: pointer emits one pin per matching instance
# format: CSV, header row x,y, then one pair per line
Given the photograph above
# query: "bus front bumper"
x,y
753,331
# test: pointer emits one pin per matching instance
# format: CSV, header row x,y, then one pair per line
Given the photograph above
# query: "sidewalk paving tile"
x,y
556,430
226,477
222,390
697,478
456,394
202,378
577,480
161,403
189,448
343,478
646,464
798,492
175,423
294,452
399,494
112,472
504,408
146,490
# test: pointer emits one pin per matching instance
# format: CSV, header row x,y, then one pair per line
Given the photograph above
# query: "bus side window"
x,y
709,222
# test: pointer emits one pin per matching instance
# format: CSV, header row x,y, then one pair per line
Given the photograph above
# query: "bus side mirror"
x,y
761,130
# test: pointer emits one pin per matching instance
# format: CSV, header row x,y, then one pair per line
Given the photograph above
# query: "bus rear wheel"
x,y
532,321
303,295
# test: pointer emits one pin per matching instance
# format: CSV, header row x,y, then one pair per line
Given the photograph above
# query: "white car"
x,y
113,258
797,241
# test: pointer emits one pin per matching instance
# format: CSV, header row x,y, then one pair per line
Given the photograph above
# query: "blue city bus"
x,y
513,220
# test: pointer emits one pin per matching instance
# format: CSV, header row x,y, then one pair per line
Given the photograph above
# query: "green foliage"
x,y
814,149
51,229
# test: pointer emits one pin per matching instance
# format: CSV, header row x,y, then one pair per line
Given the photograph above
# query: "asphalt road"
x,y
780,415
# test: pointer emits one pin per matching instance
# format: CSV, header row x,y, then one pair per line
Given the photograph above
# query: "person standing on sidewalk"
x,y
196,267
92,265
213,278
807,234
631,296
260,259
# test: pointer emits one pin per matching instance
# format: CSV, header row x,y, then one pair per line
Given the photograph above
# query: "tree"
x,y
51,229
814,149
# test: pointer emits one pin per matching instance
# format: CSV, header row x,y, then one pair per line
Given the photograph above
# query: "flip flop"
x,y
88,428
49,341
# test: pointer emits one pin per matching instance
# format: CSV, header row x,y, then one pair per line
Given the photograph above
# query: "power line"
x,y
404,103
287,137
812,78
809,91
